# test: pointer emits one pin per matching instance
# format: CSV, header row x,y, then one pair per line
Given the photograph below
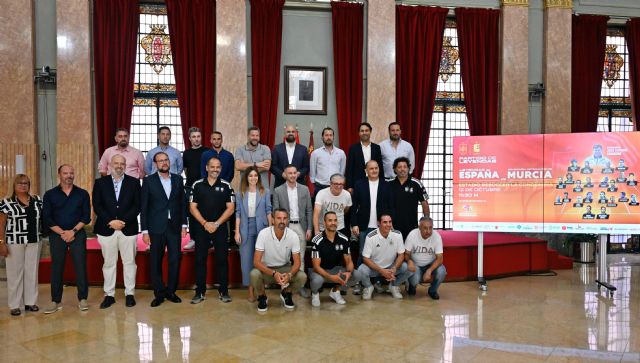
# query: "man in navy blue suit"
x,y
371,198
359,155
163,220
289,153
116,202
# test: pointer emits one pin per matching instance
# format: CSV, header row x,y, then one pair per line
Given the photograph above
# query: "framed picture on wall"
x,y
305,90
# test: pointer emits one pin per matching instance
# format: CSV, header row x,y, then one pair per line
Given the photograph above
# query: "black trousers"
x,y
78,251
170,240
221,246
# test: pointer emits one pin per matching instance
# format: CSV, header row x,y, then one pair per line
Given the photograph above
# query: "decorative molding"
x,y
560,4
515,2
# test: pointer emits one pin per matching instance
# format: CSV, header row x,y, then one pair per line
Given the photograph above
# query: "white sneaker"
x,y
367,292
395,292
190,245
335,295
315,299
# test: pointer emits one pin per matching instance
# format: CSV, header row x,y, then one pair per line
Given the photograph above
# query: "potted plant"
x,y
582,245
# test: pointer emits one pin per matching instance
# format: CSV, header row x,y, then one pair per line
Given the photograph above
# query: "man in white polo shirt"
x,y
275,247
424,257
383,255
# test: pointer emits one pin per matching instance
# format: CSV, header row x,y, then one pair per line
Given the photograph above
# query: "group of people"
x,y
367,198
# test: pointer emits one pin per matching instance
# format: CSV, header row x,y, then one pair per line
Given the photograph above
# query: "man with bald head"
x,y
116,202
289,153
66,210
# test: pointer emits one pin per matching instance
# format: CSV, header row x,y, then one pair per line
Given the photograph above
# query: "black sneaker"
x,y
287,300
433,295
225,298
262,303
411,290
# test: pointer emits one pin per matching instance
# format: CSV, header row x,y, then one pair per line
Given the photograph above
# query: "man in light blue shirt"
x,y
175,157
326,161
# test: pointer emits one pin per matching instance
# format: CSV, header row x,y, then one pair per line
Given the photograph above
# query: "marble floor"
x,y
559,318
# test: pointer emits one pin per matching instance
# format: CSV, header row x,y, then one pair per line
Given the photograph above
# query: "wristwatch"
x,y
75,230
216,224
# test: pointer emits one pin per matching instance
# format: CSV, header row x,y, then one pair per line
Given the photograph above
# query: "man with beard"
x,y
163,221
331,259
211,203
393,148
255,154
66,210
407,193
191,161
175,158
222,154
360,154
597,159
289,153
326,161
116,202
133,156
276,247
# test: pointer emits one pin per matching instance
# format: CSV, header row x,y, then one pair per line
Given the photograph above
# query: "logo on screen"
x,y
463,149
476,148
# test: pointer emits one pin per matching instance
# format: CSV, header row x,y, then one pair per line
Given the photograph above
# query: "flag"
x,y
310,150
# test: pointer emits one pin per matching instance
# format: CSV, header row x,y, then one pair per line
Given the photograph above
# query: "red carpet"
x,y
504,255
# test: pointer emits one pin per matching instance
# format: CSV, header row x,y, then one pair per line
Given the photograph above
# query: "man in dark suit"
x,y
116,202
371,197
289,153
163,219
360,154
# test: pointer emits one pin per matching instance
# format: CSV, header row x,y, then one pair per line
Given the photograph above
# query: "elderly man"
x,y
276,247
66,210
116,202
255,154
383,255
331,258
333,199
424,257
295,198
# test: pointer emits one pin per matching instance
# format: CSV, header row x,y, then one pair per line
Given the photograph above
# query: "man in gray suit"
x,y
295,198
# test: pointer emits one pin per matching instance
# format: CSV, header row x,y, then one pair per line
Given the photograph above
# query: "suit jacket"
x,y
126,208
155,205
305,207
279,161
362,202
355,163
263,207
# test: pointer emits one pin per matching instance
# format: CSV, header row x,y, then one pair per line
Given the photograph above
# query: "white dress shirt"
x,y
373,196
366,152
291,148
292,193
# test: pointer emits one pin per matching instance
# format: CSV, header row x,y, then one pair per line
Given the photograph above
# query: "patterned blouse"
x,y
17,228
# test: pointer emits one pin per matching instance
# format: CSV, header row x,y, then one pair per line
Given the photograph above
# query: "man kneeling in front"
x,y
383,255
275,246
332,262
424,257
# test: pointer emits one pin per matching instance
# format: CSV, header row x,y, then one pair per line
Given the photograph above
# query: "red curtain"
x,y
115,30
419,33
478,42
192,25
347,64
588,37
632,34
266,43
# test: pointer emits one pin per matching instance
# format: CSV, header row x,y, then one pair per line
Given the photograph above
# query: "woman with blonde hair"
x,y
20,244
253,213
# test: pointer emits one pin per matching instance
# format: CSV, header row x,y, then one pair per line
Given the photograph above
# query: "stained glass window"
x,y
155,102
449,120
615,102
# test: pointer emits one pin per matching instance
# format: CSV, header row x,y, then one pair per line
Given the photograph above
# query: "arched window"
x,y
155,102
449,120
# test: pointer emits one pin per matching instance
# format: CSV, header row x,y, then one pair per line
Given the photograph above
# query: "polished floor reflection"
x,y
561,318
